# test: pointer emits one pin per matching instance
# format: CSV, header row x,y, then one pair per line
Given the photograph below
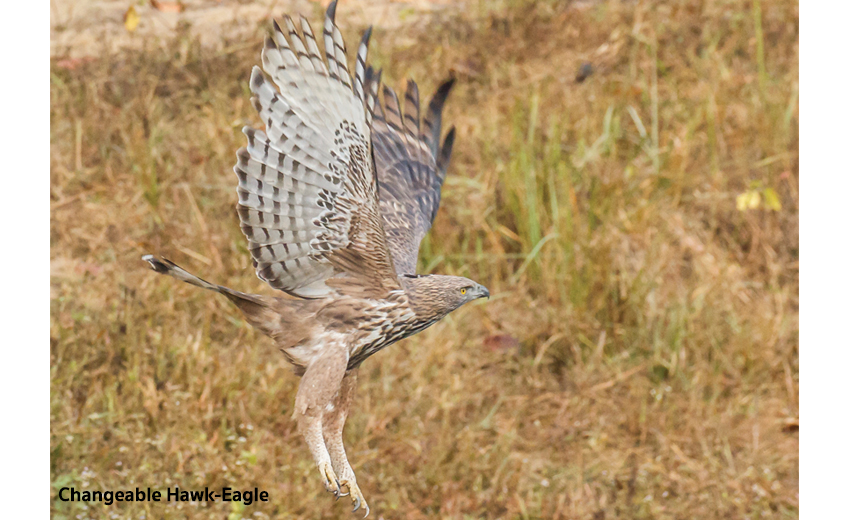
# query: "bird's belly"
x,y
377,327
302,355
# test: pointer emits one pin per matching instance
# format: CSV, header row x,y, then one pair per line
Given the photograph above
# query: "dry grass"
x,y
639,358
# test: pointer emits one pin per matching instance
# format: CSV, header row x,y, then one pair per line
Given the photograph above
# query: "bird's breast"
x,y
364,326
381,331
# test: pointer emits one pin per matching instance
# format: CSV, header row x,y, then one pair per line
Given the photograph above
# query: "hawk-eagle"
x,y
334,198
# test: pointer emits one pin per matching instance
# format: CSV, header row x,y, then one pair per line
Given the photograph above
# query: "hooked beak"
x,y
484,293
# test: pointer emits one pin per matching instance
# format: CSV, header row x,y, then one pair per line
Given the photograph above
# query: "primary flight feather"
x,y
335,196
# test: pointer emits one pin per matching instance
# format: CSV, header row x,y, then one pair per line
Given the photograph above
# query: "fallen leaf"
x,y
131,19
791,424
73,63
771,199
500,342
168,7
748,200
585,71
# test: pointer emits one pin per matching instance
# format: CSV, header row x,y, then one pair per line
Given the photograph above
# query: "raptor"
x,y
335,196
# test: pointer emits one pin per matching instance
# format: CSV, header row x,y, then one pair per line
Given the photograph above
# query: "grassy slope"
x,y
639,358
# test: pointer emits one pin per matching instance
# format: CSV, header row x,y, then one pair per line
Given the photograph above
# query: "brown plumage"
x,y
334,198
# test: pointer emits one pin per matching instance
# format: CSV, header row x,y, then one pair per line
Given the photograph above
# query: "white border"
x,y
824,258
25,213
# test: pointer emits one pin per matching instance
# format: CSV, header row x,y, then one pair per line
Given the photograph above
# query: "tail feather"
x,y
259,312
167,267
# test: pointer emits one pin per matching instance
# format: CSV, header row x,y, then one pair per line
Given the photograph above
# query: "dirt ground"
x,y
87,28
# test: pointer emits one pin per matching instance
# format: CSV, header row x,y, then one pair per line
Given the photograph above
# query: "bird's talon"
x,y
331,482
356,495
342,485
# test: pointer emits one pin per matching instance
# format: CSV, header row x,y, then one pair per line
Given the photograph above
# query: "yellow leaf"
x,y
772,201
131,19
748,200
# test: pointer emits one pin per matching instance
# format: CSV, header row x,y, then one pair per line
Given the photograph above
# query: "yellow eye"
x,y
462,291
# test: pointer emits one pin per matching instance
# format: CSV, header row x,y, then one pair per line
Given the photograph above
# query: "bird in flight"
x,y
335,196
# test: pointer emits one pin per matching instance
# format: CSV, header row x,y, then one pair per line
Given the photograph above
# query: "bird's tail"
x,y
258,310
165,266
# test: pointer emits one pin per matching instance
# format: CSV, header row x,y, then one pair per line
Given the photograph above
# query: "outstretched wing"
x,y
307,191
411,167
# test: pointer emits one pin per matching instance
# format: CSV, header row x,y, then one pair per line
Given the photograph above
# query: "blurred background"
x,y
625,181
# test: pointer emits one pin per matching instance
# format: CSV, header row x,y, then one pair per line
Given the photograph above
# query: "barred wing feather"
x,y
411,167
307,191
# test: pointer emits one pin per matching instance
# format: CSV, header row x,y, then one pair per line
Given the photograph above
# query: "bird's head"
x,y
444,293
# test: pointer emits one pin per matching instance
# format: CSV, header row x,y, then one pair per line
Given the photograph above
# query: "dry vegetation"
x,y
639,358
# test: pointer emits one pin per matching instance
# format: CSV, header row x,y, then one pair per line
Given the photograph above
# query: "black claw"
x,y
340,490
356,504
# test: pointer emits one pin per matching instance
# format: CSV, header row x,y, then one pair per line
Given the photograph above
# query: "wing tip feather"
x,y
257,79
331,11
445,152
